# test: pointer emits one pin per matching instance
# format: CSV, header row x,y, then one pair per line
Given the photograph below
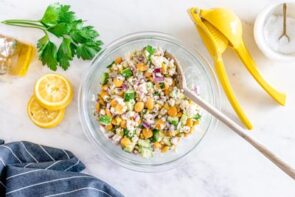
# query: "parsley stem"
x,y
21,20
13,22
27,25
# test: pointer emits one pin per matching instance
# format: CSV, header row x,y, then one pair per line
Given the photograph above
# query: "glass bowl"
x,y
197,72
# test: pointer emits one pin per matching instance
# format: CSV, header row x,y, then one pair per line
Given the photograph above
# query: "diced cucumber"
x,y
127,73
149,85
128,133
183,119
144,143
129,148
130,104
166,140
104,78
120,132
129,95
156,135
173,120
105,120
146,152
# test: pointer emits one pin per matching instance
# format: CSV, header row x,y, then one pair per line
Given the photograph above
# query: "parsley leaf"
x,y
77,39
64,53
87,51
47,53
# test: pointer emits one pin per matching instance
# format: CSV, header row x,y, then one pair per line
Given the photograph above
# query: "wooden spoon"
x,y
181,84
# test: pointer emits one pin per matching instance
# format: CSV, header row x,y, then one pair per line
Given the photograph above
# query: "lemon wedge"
x,y
43,117
53,92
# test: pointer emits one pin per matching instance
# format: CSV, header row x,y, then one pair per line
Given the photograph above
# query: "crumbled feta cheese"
x,y
185,129
157,61
169,81
102,112
174,140
171,71
116,138
171,102
130,125
149,118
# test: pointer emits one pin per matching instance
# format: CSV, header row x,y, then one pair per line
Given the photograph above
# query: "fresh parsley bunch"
x,y
76,38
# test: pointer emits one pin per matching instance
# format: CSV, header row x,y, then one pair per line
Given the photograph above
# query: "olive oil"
x,y
15,57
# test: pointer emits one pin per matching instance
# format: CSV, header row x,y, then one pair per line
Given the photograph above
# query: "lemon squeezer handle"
x,y
248,61
222,76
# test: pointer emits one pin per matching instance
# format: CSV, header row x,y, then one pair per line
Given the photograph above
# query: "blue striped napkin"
x,y
30,170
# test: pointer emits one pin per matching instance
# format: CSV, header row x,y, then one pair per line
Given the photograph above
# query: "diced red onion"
x,y
124,86
157,70
136,116
159,79
146,125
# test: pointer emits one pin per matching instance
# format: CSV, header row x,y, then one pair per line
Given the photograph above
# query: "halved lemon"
x,y
43,117
53,91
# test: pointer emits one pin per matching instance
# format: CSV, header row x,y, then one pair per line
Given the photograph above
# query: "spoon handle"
x,y
241,132
284,19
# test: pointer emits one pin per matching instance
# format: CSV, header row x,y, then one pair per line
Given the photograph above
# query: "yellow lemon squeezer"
x,y
220,28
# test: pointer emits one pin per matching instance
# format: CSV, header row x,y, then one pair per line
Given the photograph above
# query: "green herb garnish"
x,y
105,120
76,38
162,85
197,117
157,94
126,131
111,64
104,78
150,50
127,73
174,123
156,135
129,95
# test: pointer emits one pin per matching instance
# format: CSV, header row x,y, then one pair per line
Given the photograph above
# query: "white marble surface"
x,y
223,164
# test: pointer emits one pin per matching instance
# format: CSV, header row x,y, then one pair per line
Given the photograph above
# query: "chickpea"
x,y
141,67
147,133
159,124
147,74
164,68
97,107
109,127
139,106
113,103
157,145
165,149
123,124
118,60
119,109
172,111
189,122
118,83
125,141
149,103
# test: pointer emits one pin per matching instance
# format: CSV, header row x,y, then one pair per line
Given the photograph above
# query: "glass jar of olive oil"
x,y
15,57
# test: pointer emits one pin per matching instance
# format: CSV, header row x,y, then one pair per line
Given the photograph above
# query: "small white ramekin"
x,y
275,8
